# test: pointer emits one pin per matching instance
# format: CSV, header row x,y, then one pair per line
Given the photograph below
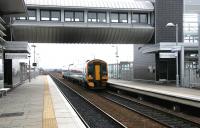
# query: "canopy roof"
x,y
94,4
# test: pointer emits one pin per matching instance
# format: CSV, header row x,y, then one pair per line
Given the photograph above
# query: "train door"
x,y
97,72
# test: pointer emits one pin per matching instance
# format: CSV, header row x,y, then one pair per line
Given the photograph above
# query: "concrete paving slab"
x,y
26,98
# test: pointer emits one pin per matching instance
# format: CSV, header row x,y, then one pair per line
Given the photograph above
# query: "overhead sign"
x,y
16,55
167,55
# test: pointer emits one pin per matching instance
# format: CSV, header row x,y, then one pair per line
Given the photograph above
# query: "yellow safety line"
x,y
49,120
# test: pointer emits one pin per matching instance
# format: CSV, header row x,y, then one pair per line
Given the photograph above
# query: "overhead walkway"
x,y
38,104
86,21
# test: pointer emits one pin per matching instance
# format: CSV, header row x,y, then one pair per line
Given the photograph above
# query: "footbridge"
x,y
85,21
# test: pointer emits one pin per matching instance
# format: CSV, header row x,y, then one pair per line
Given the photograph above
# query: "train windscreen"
x,y
91,69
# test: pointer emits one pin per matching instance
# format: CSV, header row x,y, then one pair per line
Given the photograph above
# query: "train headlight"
x,y
90,77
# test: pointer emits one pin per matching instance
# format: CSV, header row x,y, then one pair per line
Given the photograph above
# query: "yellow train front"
x,y
96,76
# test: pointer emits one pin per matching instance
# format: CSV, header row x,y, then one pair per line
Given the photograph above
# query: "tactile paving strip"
x,y
49,119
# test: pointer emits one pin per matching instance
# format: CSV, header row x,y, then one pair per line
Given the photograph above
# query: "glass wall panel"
x,y
55,15
190,27
45,15
32,14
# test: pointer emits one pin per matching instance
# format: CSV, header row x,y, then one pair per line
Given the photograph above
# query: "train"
x,y
93,76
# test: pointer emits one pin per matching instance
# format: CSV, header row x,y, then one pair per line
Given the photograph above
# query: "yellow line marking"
x,y
49,119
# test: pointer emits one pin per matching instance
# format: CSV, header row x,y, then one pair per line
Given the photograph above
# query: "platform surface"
x,y
171,91
24,107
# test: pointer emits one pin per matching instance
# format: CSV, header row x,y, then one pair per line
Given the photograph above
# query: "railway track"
x,y
91,115
164,118
126,117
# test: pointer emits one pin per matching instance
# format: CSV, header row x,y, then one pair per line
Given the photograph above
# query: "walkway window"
x,y
55,15
49,15
69,16
135,18
119,17
78,16
114,18
73,16
45,15
99,17
32,14
140,18
123,17
21,18
143,18
92,17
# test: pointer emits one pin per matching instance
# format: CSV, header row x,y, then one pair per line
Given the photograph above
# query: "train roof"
x,y
96,60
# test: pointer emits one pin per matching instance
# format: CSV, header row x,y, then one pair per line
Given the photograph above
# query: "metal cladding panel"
x,y
83,34
142,64
94,4
167,11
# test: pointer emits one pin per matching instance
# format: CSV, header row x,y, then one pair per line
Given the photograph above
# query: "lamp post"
x,y
34,58
29,65
177,67
117,56
34,51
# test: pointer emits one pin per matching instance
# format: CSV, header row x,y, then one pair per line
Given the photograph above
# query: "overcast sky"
x,y
61,55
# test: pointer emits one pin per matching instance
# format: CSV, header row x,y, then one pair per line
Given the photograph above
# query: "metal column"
x,y
182,67
199,41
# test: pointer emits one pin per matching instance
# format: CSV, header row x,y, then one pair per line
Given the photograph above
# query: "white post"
x,y
199,42
117,62
182,65
177,58
34,59
29,68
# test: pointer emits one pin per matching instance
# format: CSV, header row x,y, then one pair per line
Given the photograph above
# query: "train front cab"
x,y
97,74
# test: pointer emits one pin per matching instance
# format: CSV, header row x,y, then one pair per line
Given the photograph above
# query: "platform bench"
x,y
4,91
